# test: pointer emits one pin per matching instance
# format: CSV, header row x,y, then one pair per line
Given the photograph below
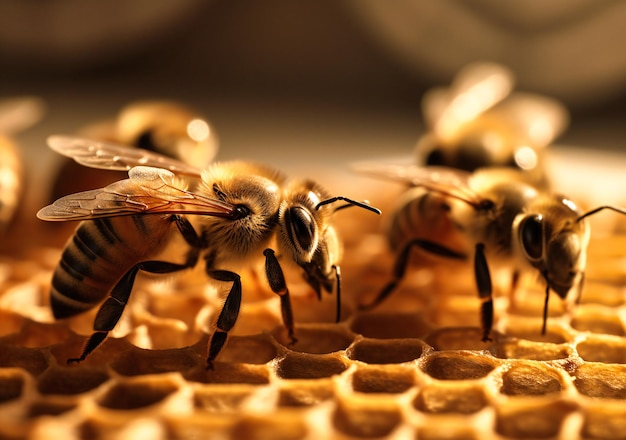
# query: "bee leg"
x,y
338,277
483,282
228,315
191,237
111,310
277,283
402,262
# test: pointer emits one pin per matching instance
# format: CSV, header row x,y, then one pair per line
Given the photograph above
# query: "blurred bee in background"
x,y
16,114
478,122
492,217
165,127
234,213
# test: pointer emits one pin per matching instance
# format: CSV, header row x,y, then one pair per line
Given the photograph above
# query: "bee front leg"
x,y
111,310
228,315
402,262
277,283
483,283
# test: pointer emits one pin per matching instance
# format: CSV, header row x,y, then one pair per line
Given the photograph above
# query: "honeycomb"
x,y
415,367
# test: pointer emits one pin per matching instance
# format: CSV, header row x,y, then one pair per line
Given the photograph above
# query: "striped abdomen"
x,y
99,253
422,214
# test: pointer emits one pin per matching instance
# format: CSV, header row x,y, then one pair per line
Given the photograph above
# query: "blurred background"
x,y
312,83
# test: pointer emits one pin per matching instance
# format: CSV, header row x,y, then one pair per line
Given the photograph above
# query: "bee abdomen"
x,y
92,262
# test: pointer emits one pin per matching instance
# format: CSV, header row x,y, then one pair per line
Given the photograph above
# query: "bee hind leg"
x,y
402,262
277,283
111,310
228,315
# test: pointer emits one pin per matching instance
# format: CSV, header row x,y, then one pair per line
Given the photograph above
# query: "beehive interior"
x,y
415,367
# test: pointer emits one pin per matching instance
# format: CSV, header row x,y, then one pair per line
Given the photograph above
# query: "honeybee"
x,y
165,127
16,114
234,213
479,122
492,217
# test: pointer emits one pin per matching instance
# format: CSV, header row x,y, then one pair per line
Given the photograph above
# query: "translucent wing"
x,y
109,156
537,119
17,114
476,88
146,191
447,181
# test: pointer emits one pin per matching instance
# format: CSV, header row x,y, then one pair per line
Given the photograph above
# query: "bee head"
x,y
555,244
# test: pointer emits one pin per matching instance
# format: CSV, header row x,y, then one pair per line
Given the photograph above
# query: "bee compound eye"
x,y
301,227
531,235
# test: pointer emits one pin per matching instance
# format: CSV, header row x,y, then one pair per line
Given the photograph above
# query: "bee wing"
x,y
109,156
18,114
476,88
538,119
147,191
448,181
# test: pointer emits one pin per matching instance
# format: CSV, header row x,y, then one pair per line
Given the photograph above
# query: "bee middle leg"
x,y
277,283
111,310
402,262
483,283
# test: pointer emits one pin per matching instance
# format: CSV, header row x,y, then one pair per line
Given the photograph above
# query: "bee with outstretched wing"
x,y
231,215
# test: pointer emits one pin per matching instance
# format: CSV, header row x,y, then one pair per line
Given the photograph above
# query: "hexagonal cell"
x,y
297,393
531,380
532,419
105,425
252,349
71,380
448,431
446,398
316,339
11,384
230,373
513,348
531,330
107,353
604,421
129,395
362,420
222,399
387,351
605,349
49,408
458,365
601,381
309,366
596,292
35,334
32,360
457,338
138,361
389,379
279,426
598,319
390,325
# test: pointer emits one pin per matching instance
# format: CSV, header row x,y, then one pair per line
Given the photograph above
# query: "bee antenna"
x,y
365,204
600,208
